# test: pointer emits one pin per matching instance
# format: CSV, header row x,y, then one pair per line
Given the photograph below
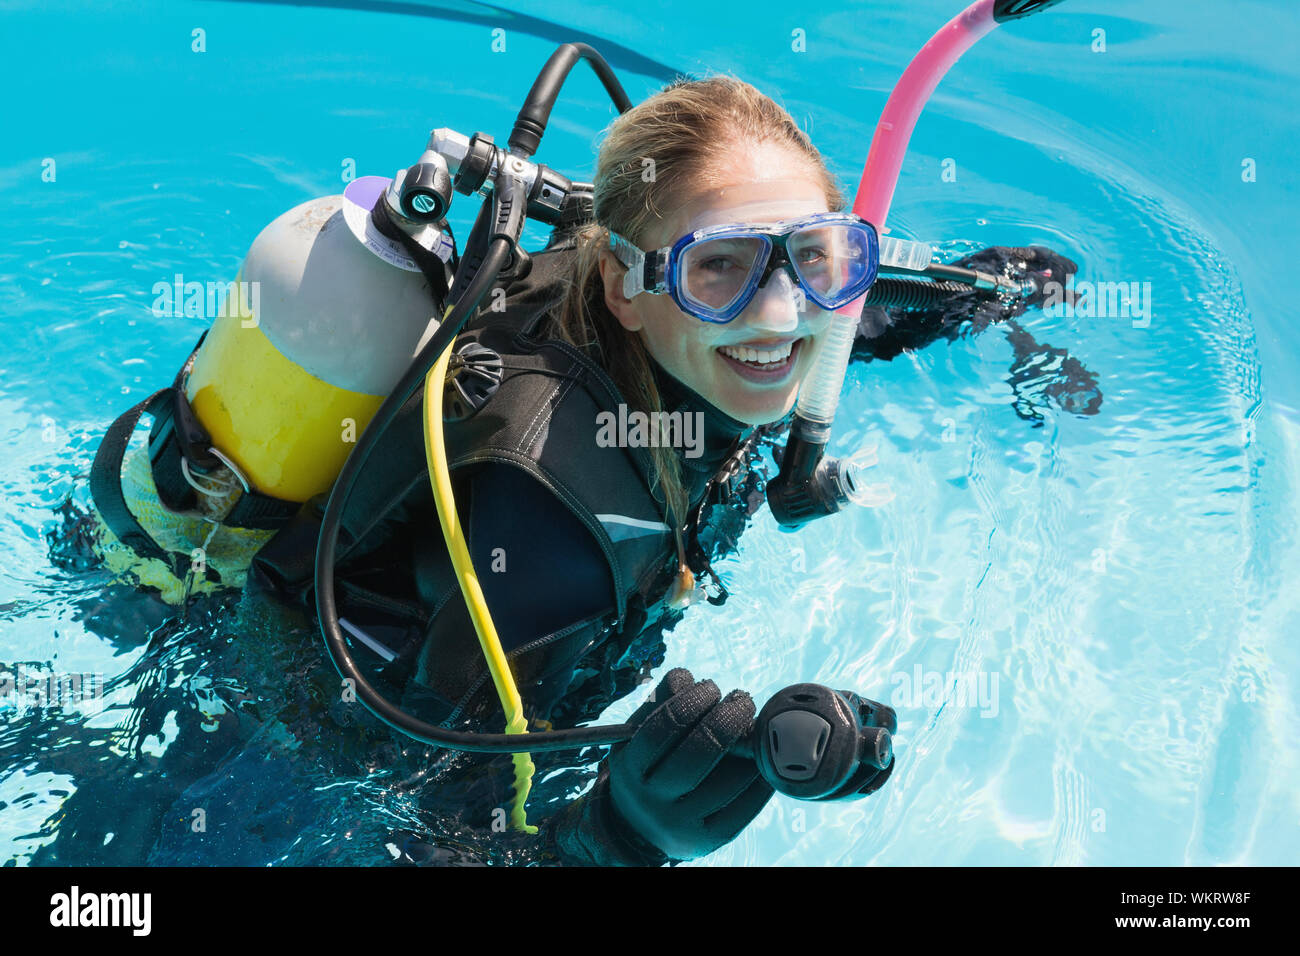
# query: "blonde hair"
x,y
676,133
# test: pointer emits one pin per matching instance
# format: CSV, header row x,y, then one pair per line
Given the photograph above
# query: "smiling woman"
x,y
597,553
696,155
576,624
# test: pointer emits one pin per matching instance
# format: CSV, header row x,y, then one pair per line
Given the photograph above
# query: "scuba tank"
x,y
322,320
283,391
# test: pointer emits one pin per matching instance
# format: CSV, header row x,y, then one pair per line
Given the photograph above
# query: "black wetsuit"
x,y
567,577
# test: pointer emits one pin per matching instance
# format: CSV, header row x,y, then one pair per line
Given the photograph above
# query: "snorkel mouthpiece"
x,y
800,492
812,485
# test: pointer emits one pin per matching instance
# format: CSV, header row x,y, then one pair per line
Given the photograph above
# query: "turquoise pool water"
x,y
1116,591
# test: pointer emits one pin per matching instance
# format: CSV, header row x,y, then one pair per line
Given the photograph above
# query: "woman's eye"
x,y
717,264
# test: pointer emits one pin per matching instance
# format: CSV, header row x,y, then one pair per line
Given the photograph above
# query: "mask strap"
x,y
639,265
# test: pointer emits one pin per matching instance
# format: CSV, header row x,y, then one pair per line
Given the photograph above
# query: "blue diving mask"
x,y
714,273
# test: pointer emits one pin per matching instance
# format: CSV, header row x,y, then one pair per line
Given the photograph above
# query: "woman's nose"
x,y
776,306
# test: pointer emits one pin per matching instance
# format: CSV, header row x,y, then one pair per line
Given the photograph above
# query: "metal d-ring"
x,y
234,470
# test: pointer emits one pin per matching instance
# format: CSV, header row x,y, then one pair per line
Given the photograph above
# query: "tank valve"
x,y
424,194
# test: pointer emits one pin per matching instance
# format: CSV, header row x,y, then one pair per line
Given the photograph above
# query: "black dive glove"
x,y
672,792
1048,271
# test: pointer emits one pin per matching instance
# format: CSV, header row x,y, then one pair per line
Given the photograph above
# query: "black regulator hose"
x,y
533,116
893,292
327,548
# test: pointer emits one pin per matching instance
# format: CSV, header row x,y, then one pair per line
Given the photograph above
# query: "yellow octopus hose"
x,y
435,451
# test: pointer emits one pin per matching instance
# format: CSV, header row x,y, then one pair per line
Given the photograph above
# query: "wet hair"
x,y
663,148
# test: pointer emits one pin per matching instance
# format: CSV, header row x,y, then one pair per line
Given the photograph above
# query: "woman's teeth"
x,y
758,357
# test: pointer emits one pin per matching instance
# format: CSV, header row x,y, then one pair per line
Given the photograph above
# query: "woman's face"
x,y
763,185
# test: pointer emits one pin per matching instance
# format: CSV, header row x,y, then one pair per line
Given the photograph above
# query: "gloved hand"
x,y
1046,268
672,792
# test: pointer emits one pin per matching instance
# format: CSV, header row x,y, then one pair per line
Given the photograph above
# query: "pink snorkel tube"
x,y
809,485
894,130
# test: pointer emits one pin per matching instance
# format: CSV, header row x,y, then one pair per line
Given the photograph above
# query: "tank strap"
x,y
177,434
176,440
106,486
433,268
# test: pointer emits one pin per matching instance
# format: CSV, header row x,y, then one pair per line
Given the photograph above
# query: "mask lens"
x,y
717,272
832,260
